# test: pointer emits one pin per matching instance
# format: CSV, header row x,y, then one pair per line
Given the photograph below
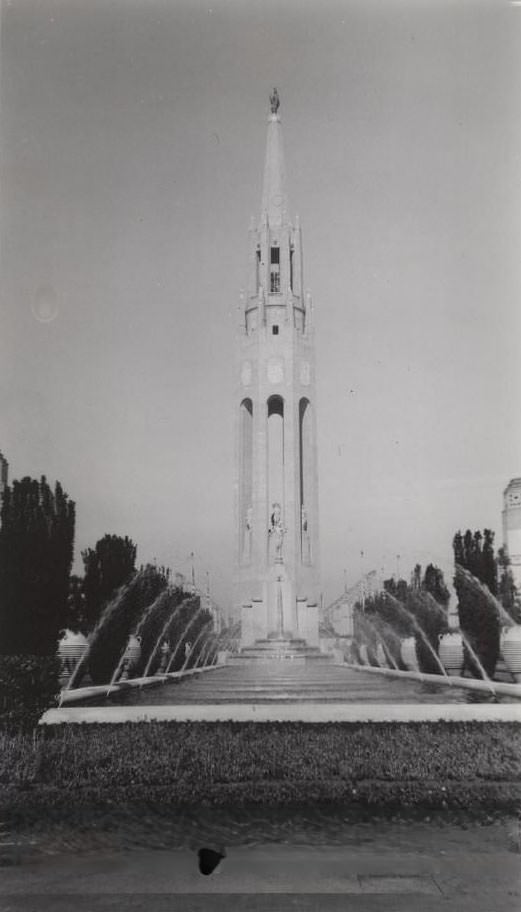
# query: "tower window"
x,y
275,330
275,270
257,268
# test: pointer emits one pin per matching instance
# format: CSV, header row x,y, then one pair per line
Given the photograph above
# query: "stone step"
x,y
275,654
289,641
277,683
231,697
257,684
286,648
192,699
261,659
263,685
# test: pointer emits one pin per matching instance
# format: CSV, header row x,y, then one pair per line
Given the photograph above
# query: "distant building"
x,y
4,471
512,527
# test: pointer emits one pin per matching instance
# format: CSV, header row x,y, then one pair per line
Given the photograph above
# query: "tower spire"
x,y
276,501
274,198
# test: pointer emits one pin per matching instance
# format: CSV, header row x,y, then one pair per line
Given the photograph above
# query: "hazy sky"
x,y
133,139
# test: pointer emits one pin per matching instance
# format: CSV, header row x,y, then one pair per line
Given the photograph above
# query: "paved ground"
x,y
477,870
268,877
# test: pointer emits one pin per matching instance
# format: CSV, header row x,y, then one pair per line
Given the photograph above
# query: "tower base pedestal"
x,y
259,626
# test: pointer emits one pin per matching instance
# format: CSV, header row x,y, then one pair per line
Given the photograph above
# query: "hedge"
x,y
29,684
462,765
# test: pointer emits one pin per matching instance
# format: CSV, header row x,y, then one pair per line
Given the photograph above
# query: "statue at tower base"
x,y
299,622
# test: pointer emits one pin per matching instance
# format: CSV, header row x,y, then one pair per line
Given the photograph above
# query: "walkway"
x,y
435,876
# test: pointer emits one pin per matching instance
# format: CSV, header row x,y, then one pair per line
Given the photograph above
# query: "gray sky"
x,y
133,138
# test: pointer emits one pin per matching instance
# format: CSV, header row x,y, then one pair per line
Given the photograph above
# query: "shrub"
x,y
28,686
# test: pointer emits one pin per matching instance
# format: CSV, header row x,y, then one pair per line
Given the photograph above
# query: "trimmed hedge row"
x,y
29,684
365,794
179,764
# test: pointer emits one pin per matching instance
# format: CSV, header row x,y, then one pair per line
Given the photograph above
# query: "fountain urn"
x,y
409,655
71,649
451,652
364,655
165,655
511,650
381,657
131,656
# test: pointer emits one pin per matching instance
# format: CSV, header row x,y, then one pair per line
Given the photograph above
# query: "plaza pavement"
x,y
437,875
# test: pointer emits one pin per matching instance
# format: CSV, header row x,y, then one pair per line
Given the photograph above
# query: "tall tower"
x,y
512,527
276,492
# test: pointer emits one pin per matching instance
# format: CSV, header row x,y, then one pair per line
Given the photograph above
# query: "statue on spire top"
x,y
274,101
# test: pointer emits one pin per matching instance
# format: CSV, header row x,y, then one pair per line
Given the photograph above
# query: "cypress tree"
x,y
479,618
108,565
507,590
36,552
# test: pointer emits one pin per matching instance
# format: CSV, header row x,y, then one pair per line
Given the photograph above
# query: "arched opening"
x,y
245,479
275,414
305,478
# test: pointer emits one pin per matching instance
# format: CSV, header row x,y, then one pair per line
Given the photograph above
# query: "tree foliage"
x,y
479,617
402,610
434,583
29,684
507,590
36,552
107,566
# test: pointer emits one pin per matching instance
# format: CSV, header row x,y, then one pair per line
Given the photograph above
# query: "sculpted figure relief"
x,y
306,541
276,533
274,101
248,526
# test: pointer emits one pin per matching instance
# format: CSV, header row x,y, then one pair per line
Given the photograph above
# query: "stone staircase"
x,y
286,681
279,648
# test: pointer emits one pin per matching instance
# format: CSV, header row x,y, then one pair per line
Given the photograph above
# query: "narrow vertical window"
x,y
275,434
275,270
245,530
306,479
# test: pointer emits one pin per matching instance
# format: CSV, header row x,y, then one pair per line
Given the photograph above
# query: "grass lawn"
x,y
70,771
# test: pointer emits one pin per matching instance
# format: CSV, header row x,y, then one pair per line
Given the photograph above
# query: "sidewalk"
x,y
276,877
